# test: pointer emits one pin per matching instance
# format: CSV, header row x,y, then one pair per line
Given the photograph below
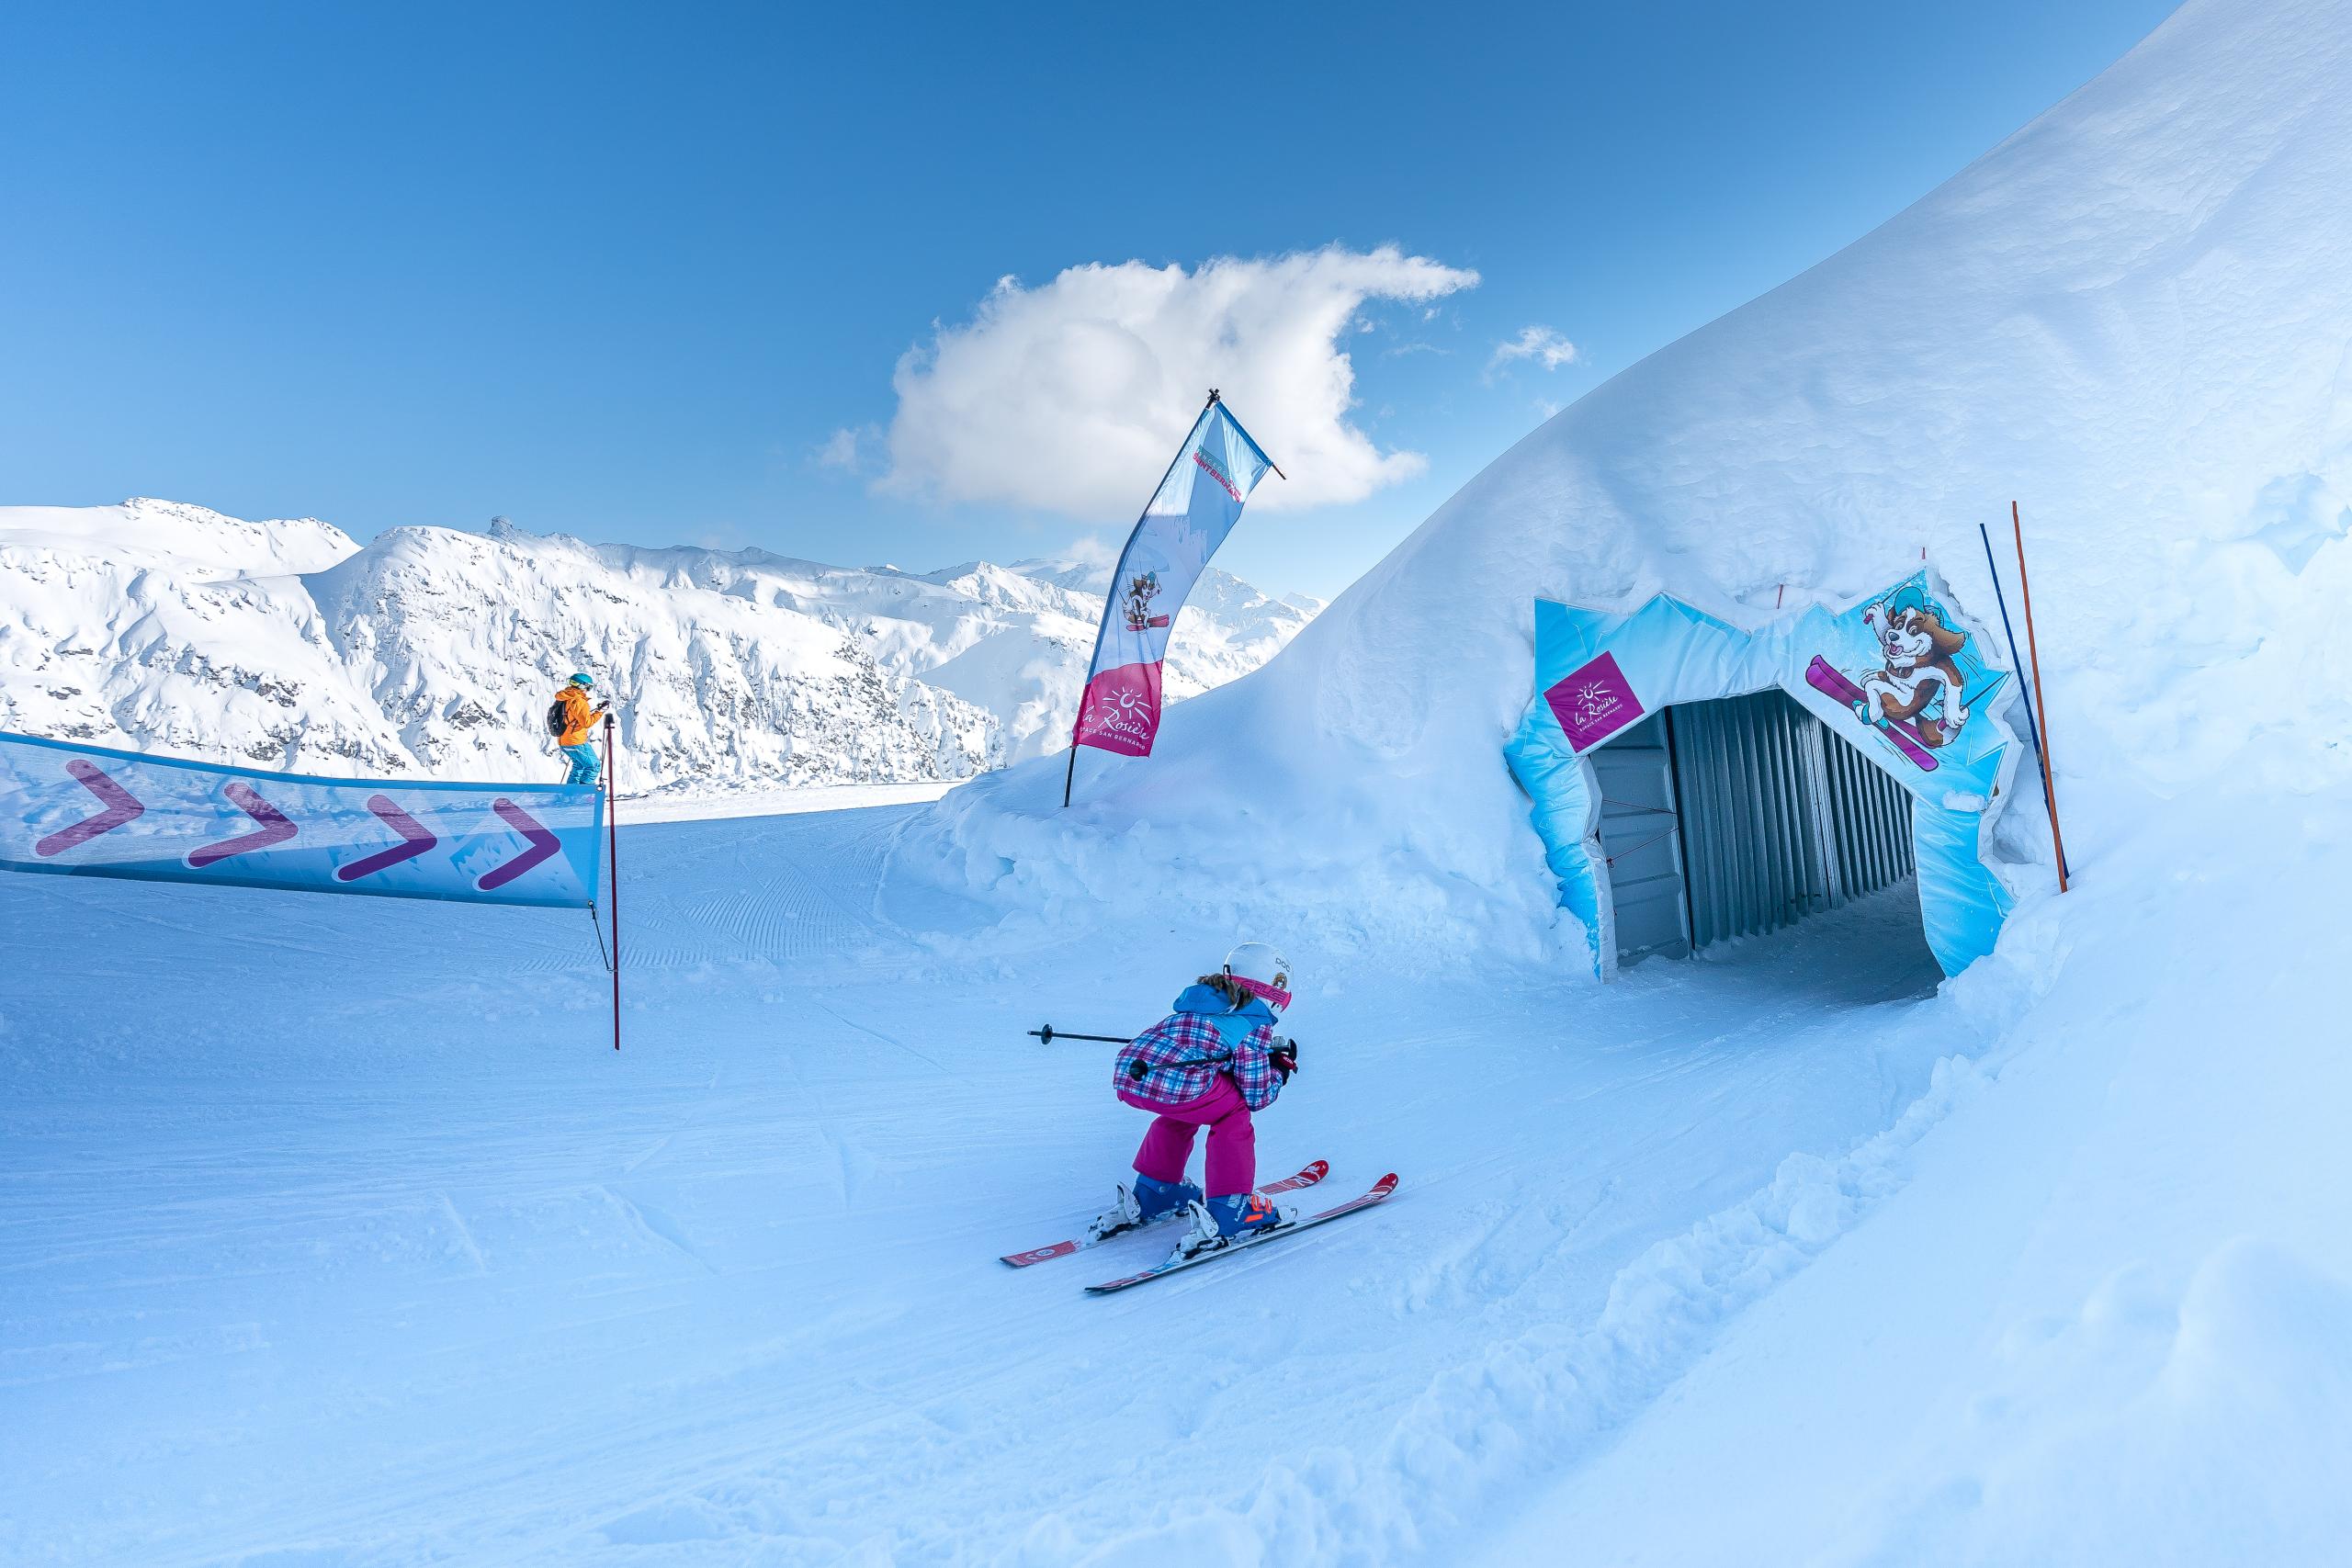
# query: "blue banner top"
x,y
94,811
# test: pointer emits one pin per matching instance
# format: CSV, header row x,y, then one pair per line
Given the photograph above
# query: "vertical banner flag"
x,y
1195,507
89,811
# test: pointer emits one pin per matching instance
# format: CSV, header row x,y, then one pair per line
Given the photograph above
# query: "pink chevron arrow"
x,y
543,844
415,839
274,830
121,807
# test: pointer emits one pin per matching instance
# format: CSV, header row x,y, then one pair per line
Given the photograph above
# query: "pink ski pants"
x,y
1233,1142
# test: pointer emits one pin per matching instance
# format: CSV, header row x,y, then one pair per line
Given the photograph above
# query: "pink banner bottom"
x,y
1120,710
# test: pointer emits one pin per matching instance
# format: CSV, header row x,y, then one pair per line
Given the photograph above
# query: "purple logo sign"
x,y
1594,703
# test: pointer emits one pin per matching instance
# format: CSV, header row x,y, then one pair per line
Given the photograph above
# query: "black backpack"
x,y
558,718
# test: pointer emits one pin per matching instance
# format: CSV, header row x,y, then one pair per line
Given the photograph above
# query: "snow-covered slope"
x,y
285,643
2086,1299
336,1234
2131,317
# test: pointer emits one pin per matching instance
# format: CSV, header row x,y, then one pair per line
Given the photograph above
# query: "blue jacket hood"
x,y
1206,999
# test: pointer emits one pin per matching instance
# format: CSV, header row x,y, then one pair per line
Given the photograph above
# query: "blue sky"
x,y
648,274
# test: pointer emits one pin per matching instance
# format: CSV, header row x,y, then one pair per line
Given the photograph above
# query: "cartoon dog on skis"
x,y
1922,670
1141,591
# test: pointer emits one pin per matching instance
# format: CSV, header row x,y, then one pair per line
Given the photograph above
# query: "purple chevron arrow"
x,y
543,844
121,804
415,839
274,830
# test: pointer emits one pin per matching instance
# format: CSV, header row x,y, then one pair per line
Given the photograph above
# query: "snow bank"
x,y
2101,1316
2130,317
2210,1424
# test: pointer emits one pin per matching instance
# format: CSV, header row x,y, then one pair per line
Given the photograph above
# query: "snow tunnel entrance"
x,y
1686,787
1736,817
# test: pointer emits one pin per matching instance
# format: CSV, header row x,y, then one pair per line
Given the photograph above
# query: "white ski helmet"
x,y
1258,969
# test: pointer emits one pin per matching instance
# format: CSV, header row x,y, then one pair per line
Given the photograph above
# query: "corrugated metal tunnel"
x,y
1738,816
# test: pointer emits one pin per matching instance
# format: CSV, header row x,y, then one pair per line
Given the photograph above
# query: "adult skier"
x,y
1210,1063
573,721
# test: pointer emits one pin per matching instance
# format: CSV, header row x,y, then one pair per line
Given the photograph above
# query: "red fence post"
x,y
613,854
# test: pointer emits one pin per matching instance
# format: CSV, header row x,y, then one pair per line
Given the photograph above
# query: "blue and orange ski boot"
x,y
1230,1220
1146,1202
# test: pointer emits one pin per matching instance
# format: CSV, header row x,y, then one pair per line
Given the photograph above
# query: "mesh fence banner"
x,y
89,811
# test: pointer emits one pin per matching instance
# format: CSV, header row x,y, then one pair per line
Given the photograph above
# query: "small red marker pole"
x,y
2049,780
613,854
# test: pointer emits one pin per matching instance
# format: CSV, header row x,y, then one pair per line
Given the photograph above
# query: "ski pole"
x,y
1049,1034
1287,1050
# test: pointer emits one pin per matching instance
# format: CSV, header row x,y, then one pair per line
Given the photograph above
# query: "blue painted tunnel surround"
x,y
1902,651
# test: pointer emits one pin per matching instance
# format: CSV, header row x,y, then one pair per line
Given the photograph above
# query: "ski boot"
x,y
1146,1201
1227,1221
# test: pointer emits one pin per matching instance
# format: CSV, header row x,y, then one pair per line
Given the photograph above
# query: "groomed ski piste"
x,y
335,1232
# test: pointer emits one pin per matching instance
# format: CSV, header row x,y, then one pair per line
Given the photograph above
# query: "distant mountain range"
x,y
162,627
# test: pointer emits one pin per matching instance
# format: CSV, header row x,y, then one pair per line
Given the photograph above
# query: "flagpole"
x,y
1111,595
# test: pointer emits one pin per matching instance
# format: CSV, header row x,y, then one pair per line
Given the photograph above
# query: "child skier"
x,y
1208,1064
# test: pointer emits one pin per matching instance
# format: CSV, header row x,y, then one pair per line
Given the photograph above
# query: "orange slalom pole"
x,y
2049,783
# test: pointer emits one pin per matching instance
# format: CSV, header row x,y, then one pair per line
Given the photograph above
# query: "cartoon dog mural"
x,y
1921,681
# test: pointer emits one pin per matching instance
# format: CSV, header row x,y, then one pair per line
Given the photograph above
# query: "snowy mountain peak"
x,y
194,536
157,625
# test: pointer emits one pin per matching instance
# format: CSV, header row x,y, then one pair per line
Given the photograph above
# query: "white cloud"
x,y
1070,397
1540,343
1092,550
844,449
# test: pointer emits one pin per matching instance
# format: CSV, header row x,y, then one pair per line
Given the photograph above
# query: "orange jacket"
x,y
580,719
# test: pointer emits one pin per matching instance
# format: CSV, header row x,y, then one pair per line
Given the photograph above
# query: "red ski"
x,y
1379,1193
1308,1176
1907,740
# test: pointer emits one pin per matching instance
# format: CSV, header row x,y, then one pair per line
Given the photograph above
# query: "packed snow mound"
x,y
2130,317
162,626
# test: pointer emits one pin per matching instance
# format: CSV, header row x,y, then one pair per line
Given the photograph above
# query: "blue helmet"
x,y
582,677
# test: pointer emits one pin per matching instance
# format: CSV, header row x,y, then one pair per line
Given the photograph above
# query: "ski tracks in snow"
x,y
1537,1402
732,1295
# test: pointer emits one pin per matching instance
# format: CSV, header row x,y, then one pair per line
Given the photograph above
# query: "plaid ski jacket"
x,y
1180,1057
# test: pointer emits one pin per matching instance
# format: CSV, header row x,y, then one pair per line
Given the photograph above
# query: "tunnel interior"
x,y
1737,817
